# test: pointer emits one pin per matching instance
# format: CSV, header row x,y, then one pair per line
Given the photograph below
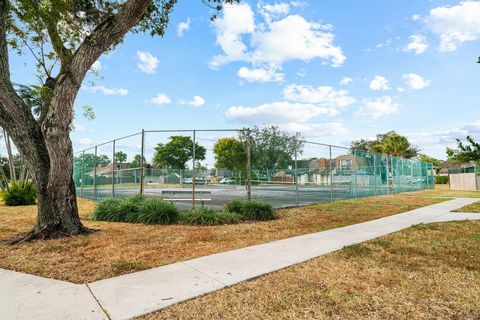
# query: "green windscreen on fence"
x,y
286,171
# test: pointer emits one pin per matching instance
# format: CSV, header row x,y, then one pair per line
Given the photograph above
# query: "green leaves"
x,y
465,152
389,143
177,152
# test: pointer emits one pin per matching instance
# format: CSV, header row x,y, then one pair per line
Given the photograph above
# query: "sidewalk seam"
x,y
98,302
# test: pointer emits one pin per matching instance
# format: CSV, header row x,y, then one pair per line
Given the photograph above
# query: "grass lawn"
x,y
425,272
120,248
474,207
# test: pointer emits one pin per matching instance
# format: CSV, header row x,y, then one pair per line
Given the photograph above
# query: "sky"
x,y
335,71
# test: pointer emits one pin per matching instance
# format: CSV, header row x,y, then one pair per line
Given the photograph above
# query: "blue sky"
x,y
334,70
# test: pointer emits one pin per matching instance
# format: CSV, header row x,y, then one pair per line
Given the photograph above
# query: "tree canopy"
x,y
465,152
120,156
271,148
175,153
389,143
230,154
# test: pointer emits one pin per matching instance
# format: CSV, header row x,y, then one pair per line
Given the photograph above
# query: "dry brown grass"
x,y
120,248
425,272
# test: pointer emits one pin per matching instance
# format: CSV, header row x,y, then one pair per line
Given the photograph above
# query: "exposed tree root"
x,y
48,233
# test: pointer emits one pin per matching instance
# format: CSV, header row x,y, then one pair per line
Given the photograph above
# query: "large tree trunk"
x,y
57,203
45,143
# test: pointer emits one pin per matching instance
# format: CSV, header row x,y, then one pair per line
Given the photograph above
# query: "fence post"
x,y
374,174
95,176
331,173
249,168
113,169
82,173
142,164
296,167
193,170
356,161
411,171
403,175
388,174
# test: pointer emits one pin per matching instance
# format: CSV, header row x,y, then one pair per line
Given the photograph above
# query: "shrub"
x,y
136,209
157,211
252,209
209,217
441,179
20,194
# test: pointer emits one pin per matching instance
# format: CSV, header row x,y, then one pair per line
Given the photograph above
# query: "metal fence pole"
x,y
388,175
331,173
249,168
403,175
193,171
142,164
296,168
113,169
411,171
374,174
82,173
355,172
95,175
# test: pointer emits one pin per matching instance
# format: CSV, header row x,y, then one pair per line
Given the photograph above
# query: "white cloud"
x,y
197,101
96,66
280,8
302,104
237,20
377,107
416,17
273,42
276,112
415,81
418,44
148,63
183,27
401,89
79,128
346,81
455,24
301,72
109,91
318,129
379,83
260,75
435,142
324,96
84,142
160,99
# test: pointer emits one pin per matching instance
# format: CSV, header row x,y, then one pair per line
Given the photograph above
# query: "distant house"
x,y
107,170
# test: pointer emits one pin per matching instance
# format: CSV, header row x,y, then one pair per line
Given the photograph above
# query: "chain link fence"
x,y
210,167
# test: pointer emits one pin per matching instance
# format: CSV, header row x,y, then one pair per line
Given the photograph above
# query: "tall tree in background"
x,y
389,143
466,152
65,38
271,148
137,161
177,152
230,154
120,156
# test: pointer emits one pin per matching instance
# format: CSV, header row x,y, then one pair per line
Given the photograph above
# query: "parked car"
x,y
227,181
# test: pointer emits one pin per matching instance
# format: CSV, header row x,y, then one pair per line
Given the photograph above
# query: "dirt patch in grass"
x,y
425,272
120,248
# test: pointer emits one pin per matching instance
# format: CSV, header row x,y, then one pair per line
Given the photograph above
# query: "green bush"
x,y
209,217
441,179
136,209
252,209
20,194
157,211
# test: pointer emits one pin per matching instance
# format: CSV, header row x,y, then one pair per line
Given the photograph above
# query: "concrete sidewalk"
x,y
27,297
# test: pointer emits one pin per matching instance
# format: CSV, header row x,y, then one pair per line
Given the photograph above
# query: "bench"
x,y
172,193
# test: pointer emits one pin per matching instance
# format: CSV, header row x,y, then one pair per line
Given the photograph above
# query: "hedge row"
x,y
139,209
